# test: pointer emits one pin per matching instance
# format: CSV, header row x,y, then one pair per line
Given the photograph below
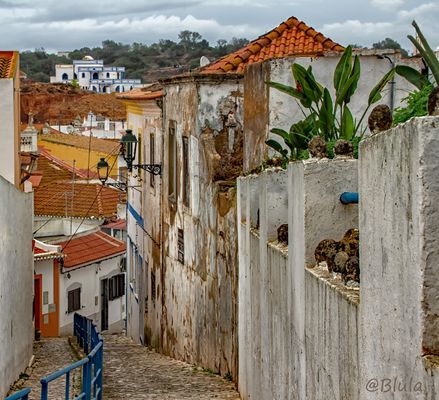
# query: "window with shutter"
x,y
73,300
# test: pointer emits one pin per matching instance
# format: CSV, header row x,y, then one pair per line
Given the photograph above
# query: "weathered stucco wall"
x,y
399,247
16,283
278,110
143,224
198,314
292,320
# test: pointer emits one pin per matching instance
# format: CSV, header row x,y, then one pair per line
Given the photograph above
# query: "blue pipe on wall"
x,y
349,198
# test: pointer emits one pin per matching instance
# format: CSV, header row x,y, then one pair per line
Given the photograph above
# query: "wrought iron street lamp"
x,y
128,147
128,152
103,172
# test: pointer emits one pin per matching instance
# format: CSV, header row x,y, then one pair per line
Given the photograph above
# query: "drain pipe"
x,y
349,198
392,83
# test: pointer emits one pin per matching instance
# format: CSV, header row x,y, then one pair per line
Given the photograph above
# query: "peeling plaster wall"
x,y
199,296
268,108
293,320
16,283
144,227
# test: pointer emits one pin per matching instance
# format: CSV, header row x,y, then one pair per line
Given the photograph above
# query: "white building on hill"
x,y
94,76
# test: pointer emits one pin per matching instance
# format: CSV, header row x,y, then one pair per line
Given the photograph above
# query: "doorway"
x,y
38,300
104,305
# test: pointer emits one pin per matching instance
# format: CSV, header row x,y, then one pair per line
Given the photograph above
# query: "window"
x,y
151,156
108,74
83,74
153,291
180,244
116,286
185,171
73,300
172,162
123,174
64,77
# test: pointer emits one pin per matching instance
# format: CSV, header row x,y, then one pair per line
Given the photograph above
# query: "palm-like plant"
x,y
326,116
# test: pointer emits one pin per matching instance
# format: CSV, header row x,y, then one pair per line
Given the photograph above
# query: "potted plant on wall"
x,y
325,115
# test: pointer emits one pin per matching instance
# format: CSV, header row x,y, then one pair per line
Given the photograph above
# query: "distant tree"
x,y
189,40
357,46
237,43
389,43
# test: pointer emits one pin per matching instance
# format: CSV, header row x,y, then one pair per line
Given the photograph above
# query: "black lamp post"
x,y
128,147
103,170
128,152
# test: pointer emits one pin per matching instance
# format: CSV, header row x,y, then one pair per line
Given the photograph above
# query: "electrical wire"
x,y
86,215
59,195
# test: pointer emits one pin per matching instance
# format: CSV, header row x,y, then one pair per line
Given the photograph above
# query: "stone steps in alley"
x,y
131,371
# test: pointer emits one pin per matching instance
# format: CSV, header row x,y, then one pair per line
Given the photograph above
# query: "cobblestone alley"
x,y
131,371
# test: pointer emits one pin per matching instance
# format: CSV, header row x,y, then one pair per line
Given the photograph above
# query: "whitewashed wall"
x,y
399,247
16,283
89,279
8,145
293,320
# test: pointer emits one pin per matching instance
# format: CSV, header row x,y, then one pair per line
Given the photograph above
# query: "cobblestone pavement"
x,y
133,372
51,354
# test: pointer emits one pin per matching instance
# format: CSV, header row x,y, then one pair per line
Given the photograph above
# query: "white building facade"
x,y
94,76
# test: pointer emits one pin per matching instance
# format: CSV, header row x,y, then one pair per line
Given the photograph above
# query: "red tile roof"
x,y
120,224
139,94
55,161
91,248
83,142
52,169
53,192
89,200
8,63
290,38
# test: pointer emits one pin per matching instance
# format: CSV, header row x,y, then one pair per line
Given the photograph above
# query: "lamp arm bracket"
x,y
155,169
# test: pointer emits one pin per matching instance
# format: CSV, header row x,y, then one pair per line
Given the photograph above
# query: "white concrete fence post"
x,y
399,250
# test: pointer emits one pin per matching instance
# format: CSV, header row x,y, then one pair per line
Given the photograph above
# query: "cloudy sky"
x,y
59,25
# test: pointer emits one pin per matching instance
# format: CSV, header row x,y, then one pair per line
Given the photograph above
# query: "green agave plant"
x,y
429,57
327,116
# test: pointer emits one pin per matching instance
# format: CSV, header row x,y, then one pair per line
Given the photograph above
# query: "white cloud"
x,y
387,4
356,27
416,12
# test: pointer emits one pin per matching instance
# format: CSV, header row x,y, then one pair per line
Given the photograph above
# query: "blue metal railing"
x,y
91,341
21,395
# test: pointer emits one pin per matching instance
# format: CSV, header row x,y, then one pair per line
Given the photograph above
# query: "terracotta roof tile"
x,y
118,224
290,38
139,94
83,142
8,63
89,200
53,194
91,248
